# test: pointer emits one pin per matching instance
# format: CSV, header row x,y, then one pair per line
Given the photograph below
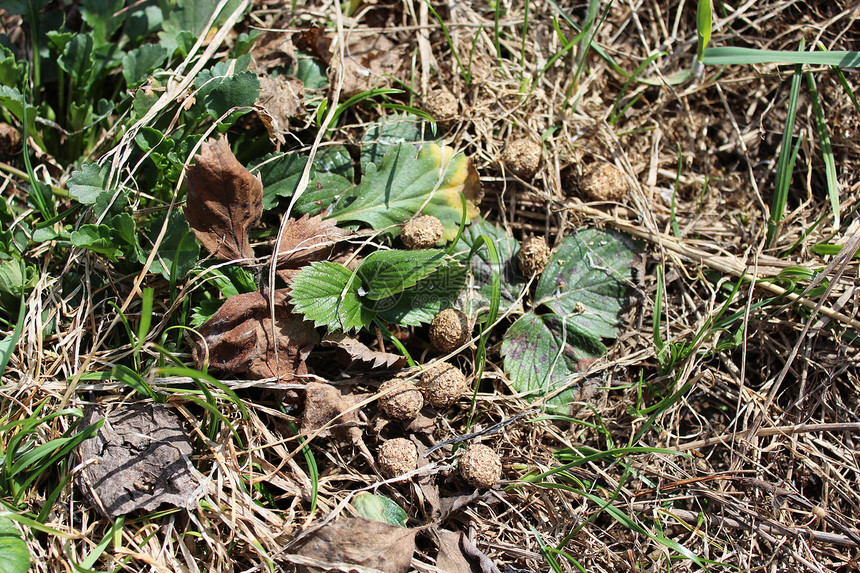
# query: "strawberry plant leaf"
x,y
387,132
281,174
481,268
77,59
407,179
584,287
420,303
327,294
585,280
386,273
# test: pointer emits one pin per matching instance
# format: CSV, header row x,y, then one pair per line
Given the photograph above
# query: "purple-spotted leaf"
x,y
584,287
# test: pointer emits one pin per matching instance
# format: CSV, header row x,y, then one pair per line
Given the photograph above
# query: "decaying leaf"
x,y
372,61
306,240
315,41
361,542
356,351
324,403
280,100
224,201
459,555
238,338
138,460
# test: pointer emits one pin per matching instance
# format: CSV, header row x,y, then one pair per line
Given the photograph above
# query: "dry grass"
x,y
765,474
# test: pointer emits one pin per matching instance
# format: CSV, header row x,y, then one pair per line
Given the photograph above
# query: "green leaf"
x,y
311,72
327,293
13,102
14,555
481,268
96,238
584,287
137,64
431,179
240,90
281,174
379,508
703,27
586,280
386,273
421,303
387,132
191,18
105,17
730,55
88,182
77,59
179,250
141,23
24,7
541,351
11,70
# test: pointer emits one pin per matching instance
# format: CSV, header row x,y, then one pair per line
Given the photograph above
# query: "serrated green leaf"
x,y
541,352
386,273
379,508
586,280
14,555
88,182
137,64
96,238
77,58
327,294
431,178
481,268
421,303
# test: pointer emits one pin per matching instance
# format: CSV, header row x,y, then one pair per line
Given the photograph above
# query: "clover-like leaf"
x,y
327,293
430,179
584,287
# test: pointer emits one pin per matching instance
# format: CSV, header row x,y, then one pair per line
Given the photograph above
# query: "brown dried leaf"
x,y
239,338
314,41
372,60
137,460
358,352
308,239
361,542
324,403
224,201
281,99
457,554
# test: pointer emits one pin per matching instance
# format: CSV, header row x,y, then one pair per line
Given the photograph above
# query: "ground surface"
x,y
720,428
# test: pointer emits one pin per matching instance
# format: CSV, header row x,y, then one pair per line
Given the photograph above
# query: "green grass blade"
x,y
826,149
785,164
725,56
8,344
703,28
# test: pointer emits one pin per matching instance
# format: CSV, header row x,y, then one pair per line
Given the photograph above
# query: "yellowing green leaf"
x,y
431,179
